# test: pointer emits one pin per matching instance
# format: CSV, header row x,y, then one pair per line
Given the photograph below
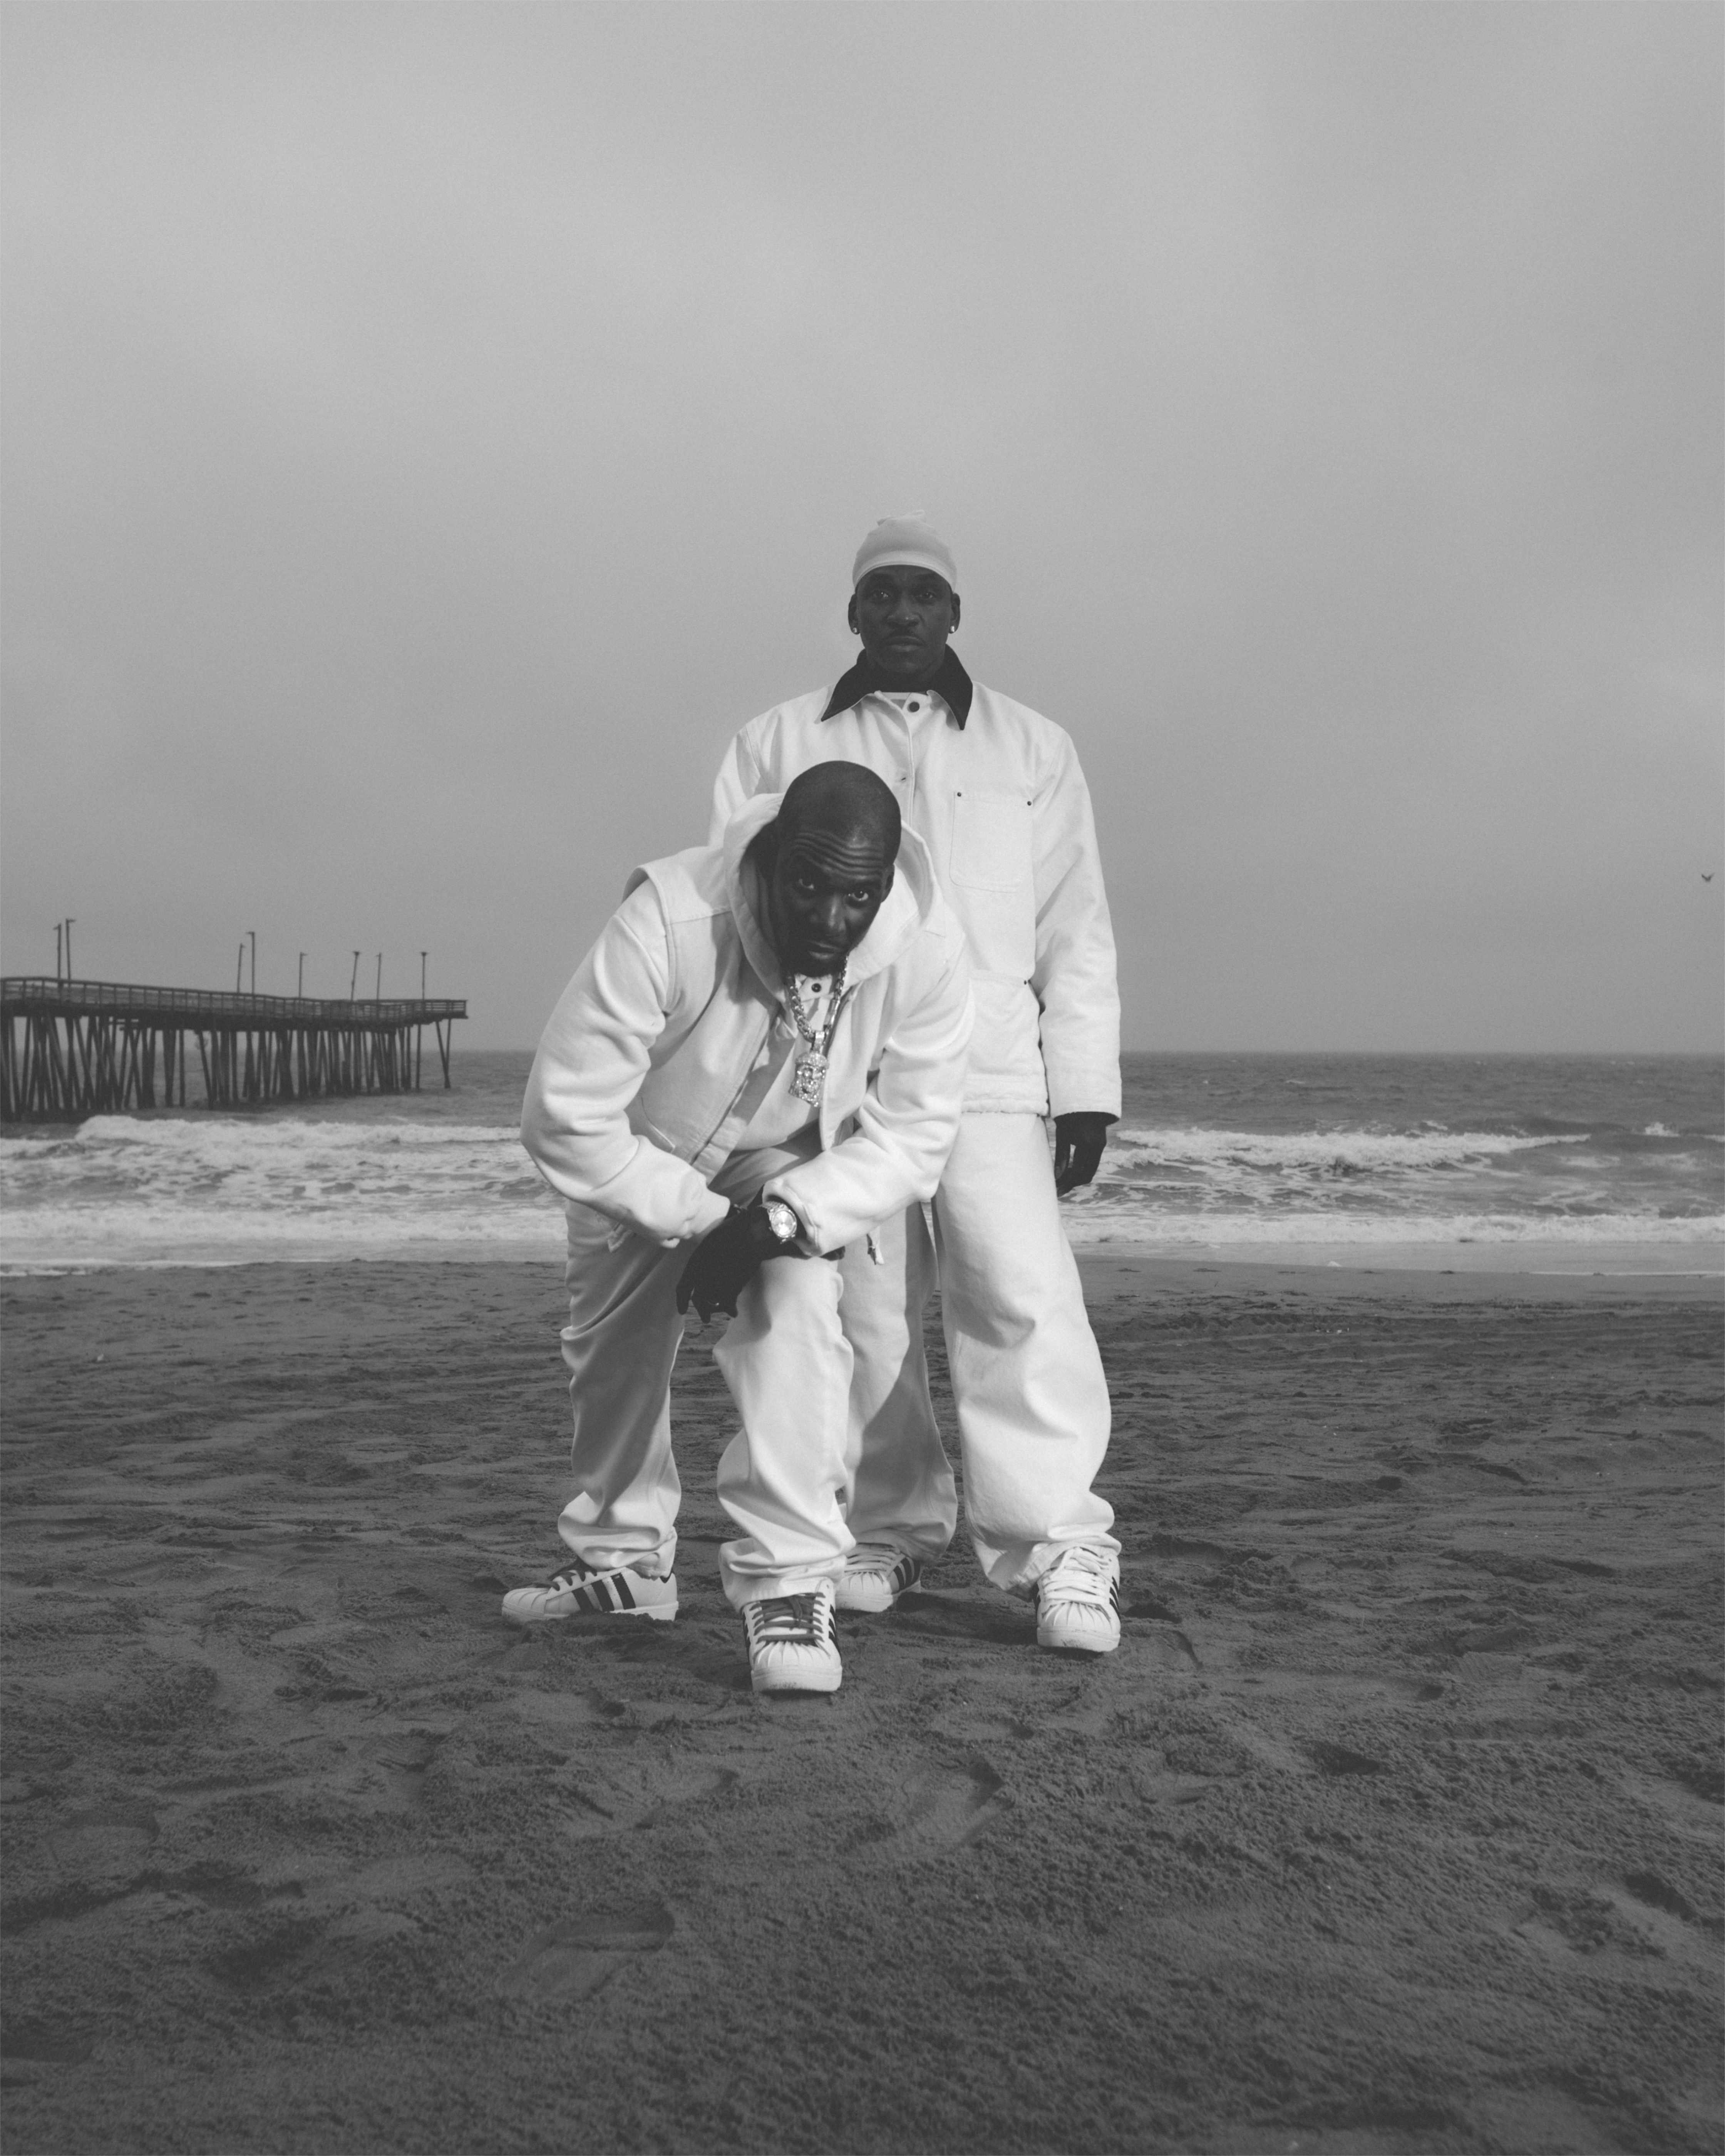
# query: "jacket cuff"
x,y
708,1213
1081,1092
659,1196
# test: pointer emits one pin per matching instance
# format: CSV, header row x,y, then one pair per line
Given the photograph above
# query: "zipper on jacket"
x,y
845,995
730,1105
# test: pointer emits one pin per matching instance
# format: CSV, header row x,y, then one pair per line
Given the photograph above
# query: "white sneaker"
x,y
580,1591
1078,1601
875,1576
792,1647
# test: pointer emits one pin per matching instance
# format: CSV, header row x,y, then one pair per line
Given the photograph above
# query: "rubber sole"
x,y
661,1612
819,1681
872,1594
1069,1646
863,1603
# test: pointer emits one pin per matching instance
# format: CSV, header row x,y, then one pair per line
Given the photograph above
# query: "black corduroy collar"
x,y
951,682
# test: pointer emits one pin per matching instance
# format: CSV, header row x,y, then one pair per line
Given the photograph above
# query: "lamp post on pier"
x,y
353,984
58,932
69,919
253,933
422,977
301,990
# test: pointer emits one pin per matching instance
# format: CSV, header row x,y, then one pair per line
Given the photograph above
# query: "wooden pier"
x,y
91,1048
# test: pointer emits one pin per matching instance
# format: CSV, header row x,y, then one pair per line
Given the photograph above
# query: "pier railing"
x,y
82,1048
128,999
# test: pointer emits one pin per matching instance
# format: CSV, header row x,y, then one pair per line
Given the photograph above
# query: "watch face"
x,y
781,1220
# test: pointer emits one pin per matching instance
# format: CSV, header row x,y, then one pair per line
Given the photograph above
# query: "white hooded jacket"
x,y
999,797
638,1091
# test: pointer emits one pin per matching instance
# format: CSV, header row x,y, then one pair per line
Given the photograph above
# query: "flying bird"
x,y
1707,875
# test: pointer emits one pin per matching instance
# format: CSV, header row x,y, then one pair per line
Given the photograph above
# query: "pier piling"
x,y
69,1049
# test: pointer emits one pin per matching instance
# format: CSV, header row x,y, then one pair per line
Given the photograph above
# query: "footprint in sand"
x,y
1688,1794
1070,1717
1169,1788
581,1955
405,1758
30,2049
1340,1760
947,1808
520,1657
1342,1693
1614,1927
328,1942
308,1954
44,2043
689,1786
218,1887
1166,1648
104,1840
626,1794
1654,1892
966,1725
1152,1606
1649,1891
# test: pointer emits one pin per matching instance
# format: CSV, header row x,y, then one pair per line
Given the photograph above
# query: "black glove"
x,y
1078,1139
728,1259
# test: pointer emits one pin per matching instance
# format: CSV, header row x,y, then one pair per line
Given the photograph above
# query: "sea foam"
x,y
195,1188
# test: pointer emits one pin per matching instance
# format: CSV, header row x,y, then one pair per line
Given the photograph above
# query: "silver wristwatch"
x,y
782,1220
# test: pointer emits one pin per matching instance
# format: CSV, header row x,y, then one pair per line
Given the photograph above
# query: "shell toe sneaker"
x,y
1078,1602
580,1591
792,1642
875,1576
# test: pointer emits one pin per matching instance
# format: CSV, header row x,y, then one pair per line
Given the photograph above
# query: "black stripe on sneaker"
x,y
620,1588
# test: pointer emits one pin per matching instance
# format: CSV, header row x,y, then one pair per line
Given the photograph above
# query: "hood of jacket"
x,y
903,911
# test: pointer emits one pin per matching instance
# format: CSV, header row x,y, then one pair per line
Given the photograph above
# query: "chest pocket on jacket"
x,y
991,839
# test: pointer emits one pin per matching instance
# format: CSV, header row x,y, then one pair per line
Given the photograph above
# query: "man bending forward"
x,y
760,1060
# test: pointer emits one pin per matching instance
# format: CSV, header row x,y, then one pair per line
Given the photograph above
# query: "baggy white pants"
x,y
1032,1400
783,1478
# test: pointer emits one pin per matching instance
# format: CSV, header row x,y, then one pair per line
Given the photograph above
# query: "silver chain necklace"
x,y
811,1071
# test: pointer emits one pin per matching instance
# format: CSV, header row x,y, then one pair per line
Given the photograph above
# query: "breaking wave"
x,y
373,1180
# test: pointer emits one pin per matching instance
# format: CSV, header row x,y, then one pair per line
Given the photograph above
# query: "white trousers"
x,y
784,1477
1027,1377
826,1364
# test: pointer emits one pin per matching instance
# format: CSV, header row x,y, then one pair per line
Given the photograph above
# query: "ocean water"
x,y
1553,1163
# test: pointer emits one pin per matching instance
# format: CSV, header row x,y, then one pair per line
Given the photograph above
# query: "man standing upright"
x,y
995,791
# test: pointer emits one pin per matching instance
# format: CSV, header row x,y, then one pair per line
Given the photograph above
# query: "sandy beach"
x,y
1394,1824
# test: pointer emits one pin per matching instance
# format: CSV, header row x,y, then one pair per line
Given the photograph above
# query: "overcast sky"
x,y
430,430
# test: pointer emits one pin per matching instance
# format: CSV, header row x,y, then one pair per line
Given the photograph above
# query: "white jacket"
x,y
635,1095
1004,807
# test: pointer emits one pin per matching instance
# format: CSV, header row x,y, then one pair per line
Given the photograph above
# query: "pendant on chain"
x,y
809,1076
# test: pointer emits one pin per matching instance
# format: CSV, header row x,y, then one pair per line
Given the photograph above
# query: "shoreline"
x,y
1107,1269
1113,1278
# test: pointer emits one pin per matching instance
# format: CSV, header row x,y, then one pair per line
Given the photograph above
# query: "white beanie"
x,y
904,542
